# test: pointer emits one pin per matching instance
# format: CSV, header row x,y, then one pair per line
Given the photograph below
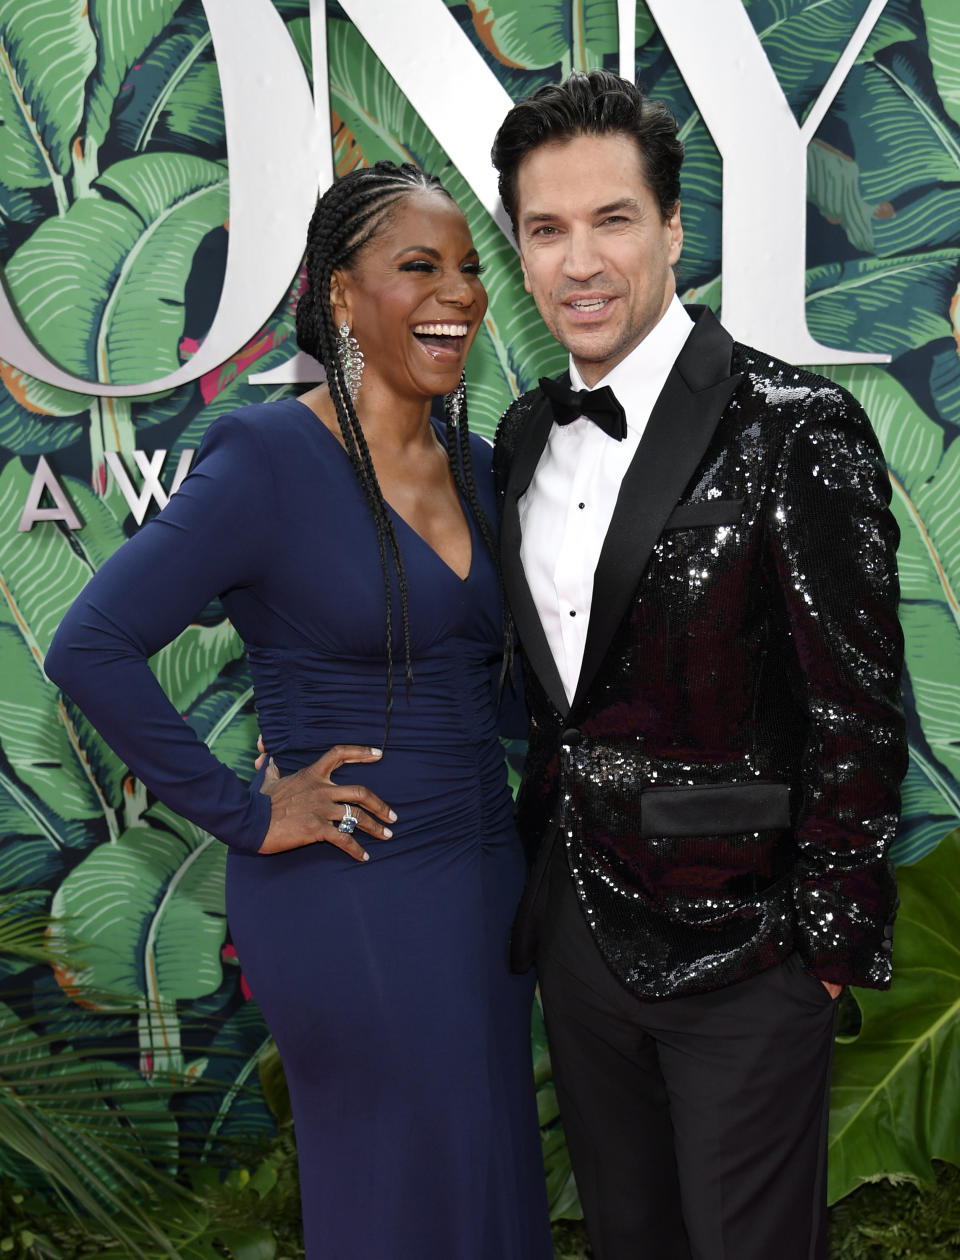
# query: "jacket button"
x,y
570,737
887,946
888,931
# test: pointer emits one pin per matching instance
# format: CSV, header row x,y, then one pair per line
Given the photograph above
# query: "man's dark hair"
x,y
594,104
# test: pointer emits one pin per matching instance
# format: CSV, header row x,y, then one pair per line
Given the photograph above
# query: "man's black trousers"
x,y
697,1126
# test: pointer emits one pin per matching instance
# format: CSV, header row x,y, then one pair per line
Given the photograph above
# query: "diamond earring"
x,y
351,361
454,402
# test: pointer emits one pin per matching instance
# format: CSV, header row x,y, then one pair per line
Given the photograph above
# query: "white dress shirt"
x,y
565,512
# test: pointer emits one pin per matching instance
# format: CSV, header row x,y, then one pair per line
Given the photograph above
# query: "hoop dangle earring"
x,y
351,361
453,403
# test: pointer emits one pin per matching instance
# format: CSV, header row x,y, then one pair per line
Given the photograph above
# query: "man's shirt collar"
x,y
647,363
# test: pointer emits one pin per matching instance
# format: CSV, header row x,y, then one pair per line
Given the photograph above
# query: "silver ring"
x,y
348,822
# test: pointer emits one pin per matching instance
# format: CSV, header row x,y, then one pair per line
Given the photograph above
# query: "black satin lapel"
x,y
536,649
683,421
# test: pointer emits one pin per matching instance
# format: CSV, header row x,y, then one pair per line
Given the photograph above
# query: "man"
x,y
705,593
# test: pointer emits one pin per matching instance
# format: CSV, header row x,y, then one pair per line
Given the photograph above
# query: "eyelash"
x,y
421,264
548,229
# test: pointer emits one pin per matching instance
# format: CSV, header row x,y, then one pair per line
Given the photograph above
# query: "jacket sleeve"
x,y
209,539
832,546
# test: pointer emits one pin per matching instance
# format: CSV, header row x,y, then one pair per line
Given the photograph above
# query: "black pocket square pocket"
x,y
714,809
705,513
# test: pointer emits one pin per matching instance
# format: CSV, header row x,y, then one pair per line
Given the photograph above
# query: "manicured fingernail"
x,y
376,752
391,815
388,833
366,856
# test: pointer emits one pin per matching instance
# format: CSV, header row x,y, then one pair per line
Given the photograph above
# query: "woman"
x,y
344,531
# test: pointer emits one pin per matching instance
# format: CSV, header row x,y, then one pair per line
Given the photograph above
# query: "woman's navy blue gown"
x,y
404,1036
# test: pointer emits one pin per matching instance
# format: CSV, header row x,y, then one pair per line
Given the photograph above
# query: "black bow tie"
x,y
600,405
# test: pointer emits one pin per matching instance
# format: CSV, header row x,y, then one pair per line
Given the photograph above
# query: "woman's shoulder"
x,y
278,418
278,432
272,449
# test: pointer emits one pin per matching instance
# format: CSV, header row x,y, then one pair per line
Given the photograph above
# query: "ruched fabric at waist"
x,y
443,763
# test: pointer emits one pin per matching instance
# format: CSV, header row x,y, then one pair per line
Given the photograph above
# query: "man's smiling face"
x,y
597,253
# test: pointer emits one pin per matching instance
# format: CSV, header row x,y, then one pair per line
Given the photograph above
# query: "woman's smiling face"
x,y
413,299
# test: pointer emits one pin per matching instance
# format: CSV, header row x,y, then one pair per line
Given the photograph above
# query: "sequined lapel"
x,y
525,615
678,432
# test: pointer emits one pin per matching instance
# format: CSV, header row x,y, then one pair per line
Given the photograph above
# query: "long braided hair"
x,y
347,217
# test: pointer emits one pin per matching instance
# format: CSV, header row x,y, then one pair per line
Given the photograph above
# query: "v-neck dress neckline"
x,y
397,515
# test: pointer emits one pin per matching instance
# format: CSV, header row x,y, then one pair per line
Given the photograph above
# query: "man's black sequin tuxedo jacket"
x,y
726,779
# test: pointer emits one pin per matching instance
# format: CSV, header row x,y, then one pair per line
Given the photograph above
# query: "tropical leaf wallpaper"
x,y
114,218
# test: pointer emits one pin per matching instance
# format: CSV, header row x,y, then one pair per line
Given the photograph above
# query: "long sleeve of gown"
x,y
211,538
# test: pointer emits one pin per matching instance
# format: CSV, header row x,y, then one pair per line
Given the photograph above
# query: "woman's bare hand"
x,y
306,807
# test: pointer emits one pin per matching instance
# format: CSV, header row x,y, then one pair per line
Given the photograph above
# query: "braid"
x,y
347,217
461,467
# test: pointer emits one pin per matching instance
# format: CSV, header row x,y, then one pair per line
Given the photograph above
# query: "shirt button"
x,y
573,612
581,505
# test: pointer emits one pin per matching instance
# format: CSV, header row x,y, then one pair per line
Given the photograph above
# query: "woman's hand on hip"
x,y
308,807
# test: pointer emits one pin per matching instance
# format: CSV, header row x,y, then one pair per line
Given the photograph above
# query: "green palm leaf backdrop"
x,y
113,230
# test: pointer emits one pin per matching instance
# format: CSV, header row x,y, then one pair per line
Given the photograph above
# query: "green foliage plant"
x,y
87,1147
63,1111
895,1087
